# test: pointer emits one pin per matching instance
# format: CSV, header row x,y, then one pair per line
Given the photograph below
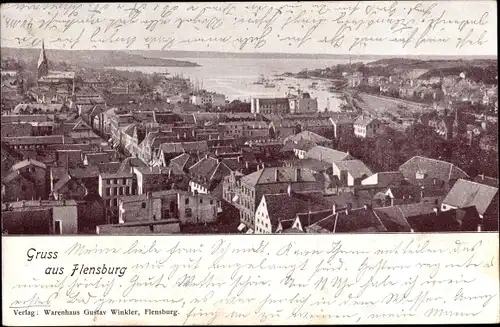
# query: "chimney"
x,y
436,210
289,189
334,208
422,192
297,174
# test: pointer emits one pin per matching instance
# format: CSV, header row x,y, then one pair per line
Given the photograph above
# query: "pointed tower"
x,y
43,64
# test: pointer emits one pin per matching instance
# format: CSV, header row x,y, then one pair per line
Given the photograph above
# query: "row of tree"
x,y
391,149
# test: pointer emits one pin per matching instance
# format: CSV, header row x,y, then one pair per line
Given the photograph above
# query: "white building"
x,y
208,98
366,127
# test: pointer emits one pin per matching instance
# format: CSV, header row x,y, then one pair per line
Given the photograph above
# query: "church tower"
x,y
43,64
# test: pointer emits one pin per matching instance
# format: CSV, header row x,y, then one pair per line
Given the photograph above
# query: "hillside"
x,y
93,58
273,55
406,63
486,74
400,62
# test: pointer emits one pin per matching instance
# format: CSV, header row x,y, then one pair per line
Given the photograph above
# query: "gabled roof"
x,y
185,160
180,147
356,168
209,169
60,183
465,193
463,219
395,217
109,167
307,136
354,221
96,158
283,207
364,120
279,175
306,219
81,126
328,155
10,176
26,163
388,178
433,168
84,172
312,164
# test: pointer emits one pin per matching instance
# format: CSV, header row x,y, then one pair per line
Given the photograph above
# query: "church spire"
x,y
43,65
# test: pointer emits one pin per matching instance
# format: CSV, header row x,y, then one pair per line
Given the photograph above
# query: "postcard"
x,y
249,163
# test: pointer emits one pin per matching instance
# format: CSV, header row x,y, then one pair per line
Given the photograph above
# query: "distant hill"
x,y
399,62
486,74
274,55
93,58
409,63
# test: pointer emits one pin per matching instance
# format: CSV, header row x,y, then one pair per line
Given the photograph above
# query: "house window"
x,y
108,191
124,181
211,201
144,205
189,212
58,227
201,201
115,202
187,201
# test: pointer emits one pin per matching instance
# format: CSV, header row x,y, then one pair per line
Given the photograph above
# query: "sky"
x,y
373,28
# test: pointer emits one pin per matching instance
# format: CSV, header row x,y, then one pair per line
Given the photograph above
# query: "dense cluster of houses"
x,y
111,171
90,167
434,89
